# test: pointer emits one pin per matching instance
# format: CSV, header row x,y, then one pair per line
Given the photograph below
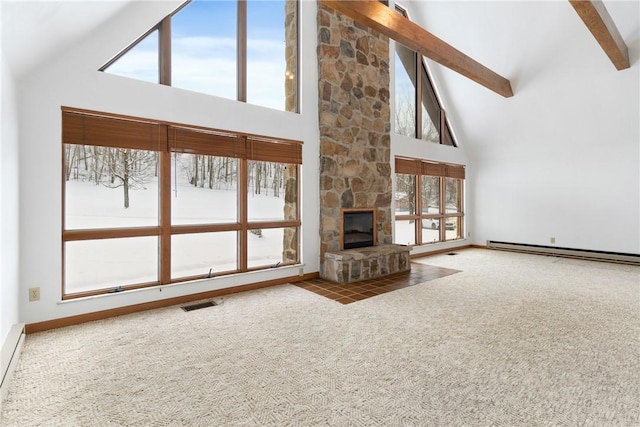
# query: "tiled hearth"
x,y
357,291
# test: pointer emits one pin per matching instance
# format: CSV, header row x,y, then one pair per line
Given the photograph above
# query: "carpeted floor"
x,y
511,340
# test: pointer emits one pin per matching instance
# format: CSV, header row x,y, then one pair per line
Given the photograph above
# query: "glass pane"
x,y
269,70
430,111
431,230
453,228
272,191
267,246
140,62
405,232
203,48
107,263
430,186
405,194
203,189
110,187
405,97
203,254
447,138
453,195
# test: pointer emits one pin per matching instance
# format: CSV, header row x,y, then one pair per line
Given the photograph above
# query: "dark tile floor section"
x,y
357,291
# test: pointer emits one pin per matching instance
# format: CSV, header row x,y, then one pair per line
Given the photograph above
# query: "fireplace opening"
x,y
358,228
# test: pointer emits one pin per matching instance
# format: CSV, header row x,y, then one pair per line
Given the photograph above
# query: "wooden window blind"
x,y
420,167
455,171
271,150
205,141
83,127
94,129
433,169
408,166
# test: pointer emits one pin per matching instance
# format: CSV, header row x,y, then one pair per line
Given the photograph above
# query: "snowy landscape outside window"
x,y
428,201
242,50
149,203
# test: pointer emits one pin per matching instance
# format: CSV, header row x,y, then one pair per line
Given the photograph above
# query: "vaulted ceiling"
x,y
543,48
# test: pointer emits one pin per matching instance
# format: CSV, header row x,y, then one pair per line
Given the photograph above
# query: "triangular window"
x,y
139,61
245,50
411,91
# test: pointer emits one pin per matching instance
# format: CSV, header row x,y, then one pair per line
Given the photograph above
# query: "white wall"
x,y
73,81
561,158
9,289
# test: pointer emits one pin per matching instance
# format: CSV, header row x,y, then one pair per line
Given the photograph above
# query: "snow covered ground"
x,y
106,263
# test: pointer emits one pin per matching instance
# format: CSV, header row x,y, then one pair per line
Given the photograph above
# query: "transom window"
x,y
244,50
149,202
428,201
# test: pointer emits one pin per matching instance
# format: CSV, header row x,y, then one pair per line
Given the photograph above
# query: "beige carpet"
x,y
512,340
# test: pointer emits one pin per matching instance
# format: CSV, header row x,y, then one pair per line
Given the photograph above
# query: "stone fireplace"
x,y
355,169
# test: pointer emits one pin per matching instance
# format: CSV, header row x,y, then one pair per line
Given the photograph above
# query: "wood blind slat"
x,y
86,129
270,150
455,171
206,142
432,169
82,127
408,166
420,167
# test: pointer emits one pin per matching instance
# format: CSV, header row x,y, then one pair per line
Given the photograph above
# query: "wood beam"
x,y
599,22
381,18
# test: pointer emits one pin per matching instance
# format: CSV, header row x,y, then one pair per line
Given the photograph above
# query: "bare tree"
x,y
130,169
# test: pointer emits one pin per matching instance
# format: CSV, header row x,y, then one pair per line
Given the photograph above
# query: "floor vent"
x,y
617,257
199,306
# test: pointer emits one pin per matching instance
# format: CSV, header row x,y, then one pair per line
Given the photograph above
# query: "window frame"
x,y
164,52
422,73
250,147
419,168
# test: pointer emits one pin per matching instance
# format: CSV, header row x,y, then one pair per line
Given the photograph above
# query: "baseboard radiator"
x,y
11,349
633,259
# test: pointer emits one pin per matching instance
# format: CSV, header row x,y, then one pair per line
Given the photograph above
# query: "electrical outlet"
x,y
553,240
469,234
300,271
34,294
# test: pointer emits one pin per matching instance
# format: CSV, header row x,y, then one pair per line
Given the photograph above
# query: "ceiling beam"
x,y
383,19
599,22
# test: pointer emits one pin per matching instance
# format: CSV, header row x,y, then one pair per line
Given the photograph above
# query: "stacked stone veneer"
x,y
366,263
355,170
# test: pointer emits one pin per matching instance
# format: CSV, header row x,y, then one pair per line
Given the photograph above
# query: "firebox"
x,y
358,228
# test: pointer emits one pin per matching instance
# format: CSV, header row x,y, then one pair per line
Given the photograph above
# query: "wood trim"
x,y
105,314
392,24
128,48
164,48
443,251
109,233
164,246
595,16
242,51
243,186
418,96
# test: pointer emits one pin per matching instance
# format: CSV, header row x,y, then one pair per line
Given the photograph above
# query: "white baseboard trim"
x,y
11,349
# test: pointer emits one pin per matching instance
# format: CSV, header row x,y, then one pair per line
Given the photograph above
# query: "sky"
x,y
204,51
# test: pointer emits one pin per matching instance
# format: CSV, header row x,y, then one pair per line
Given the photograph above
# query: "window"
x,y
149,202
244,50
413,87
428,201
